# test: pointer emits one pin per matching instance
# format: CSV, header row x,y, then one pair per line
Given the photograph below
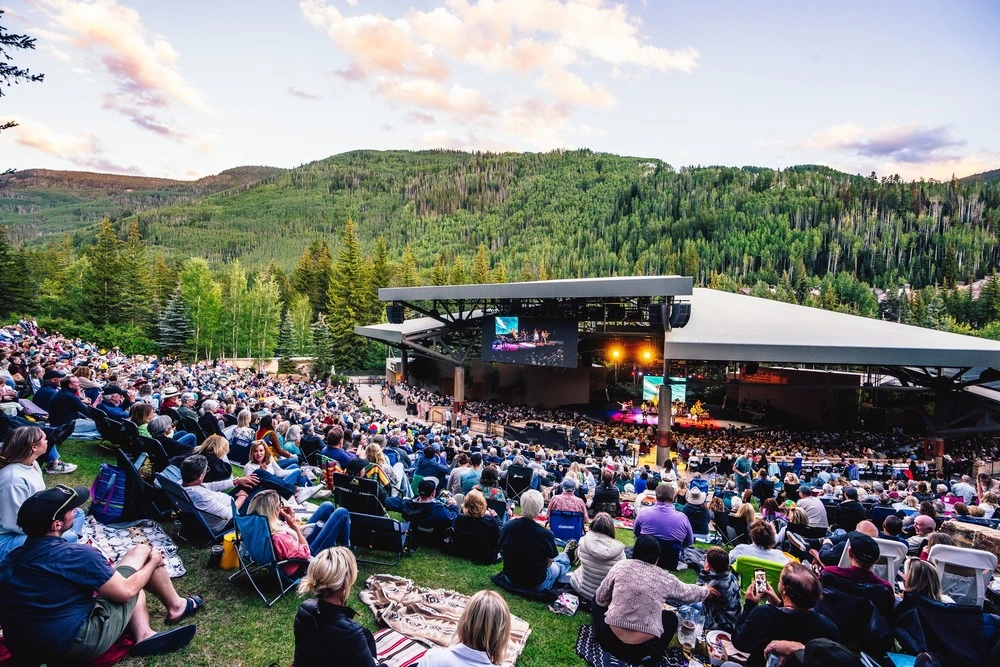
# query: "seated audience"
x,y
325,623
663,521
629,620
813,508
489,484
64,604
429,517
696,512
921,578
568,501
852,511
330,527
481,637
762,543
892,529
832,548
790,614
477,531
924,526
530,558
215,506
598,551
607,497
721,611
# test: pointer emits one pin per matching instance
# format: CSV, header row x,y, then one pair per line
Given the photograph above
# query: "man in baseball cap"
x,y
63,603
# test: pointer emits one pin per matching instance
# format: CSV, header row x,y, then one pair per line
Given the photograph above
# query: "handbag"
x,y
107,494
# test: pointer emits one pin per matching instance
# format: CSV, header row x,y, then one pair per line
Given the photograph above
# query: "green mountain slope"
x,y
580,213
35,203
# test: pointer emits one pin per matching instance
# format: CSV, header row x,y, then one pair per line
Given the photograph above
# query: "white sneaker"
x,y
322,493
61,468
304,493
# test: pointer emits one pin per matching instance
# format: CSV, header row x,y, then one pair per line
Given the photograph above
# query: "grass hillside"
x,y
35,203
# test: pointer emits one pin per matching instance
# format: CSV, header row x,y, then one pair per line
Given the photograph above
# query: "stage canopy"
x,y
734,327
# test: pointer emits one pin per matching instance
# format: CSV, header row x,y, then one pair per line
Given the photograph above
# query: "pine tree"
x,y
382,269
137,297
526,275
459,276
322,344
349,299
164,280
312,275
439,274
174,330
501,273
407,275
481,266
105,283
16,285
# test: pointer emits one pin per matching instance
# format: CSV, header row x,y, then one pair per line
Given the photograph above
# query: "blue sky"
x,y
183,89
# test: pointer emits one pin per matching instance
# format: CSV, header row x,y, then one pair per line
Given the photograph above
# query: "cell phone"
x,y
760,581
773,660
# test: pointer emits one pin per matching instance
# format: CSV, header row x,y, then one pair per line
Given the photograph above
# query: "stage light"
x,y
647,355
616,353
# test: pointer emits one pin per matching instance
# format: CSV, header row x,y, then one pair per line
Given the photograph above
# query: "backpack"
x,y
107,494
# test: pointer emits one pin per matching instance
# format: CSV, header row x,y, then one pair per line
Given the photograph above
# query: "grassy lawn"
x,y
235,628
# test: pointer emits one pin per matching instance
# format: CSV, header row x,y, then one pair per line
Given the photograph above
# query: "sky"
x,y
184,89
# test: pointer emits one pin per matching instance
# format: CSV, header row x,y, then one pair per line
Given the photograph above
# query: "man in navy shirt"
x,y
50,385
48,585
111,402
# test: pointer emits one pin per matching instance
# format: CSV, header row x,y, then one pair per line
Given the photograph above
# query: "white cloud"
x,y
571,89
83,150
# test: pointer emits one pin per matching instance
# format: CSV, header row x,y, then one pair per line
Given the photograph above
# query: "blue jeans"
x,y
560,566
185,439
286,464
336,530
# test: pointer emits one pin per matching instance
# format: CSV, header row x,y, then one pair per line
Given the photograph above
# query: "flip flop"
x,y
165,642
194,605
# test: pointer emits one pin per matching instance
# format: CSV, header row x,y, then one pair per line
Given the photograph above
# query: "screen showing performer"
x,y
532,341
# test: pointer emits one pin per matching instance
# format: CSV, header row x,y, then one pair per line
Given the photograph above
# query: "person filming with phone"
x,y
788,614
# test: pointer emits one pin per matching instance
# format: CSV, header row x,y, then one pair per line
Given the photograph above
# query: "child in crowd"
x,y
720,612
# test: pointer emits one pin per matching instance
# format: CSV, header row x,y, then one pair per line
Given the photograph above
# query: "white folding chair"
x,y
892,555
968,572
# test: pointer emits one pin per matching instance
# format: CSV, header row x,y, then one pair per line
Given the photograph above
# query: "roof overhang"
x,y
574,288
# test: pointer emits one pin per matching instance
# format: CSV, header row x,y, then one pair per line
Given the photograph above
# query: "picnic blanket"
x,y
428,615
619,522
396,650
114,540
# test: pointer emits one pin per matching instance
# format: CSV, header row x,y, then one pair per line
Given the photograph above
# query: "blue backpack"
x,y
107,495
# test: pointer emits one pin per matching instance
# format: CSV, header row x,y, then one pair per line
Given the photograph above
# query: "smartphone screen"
x,y
760,581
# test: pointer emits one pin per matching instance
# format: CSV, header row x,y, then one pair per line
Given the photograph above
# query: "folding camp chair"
x,y
379,533
880,513
157,454
956,634
892,555
965,573
255,550
142,502
565,525
498,506
357,495
109,429
745,565
190,515
518,481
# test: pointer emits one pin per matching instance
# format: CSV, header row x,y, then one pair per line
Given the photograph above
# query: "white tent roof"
x,y
734,327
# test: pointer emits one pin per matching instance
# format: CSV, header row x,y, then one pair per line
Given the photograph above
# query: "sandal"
x,y
165,642
194,605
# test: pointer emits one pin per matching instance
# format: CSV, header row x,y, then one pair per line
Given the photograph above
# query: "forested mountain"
x,y
35,203
325,235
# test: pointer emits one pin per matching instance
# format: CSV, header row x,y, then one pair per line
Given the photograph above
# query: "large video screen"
x,y
531,341
651,388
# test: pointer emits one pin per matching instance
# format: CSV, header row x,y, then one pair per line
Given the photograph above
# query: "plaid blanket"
x,y
428,615
114,540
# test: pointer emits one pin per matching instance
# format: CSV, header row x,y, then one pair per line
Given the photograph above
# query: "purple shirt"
x,y
664,522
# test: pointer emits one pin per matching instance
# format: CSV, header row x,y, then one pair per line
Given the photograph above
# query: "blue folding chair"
x,y
566,526
178,497
255,550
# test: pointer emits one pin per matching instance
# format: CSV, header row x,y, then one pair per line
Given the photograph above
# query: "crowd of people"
x,y
246,439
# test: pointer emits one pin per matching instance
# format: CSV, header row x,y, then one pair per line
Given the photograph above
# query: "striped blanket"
x,y
427,615
397,650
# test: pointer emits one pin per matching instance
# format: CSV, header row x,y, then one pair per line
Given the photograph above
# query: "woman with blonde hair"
x,y
215,449
378,468
288,482
477,530
921,578
481,637
330,527
325,622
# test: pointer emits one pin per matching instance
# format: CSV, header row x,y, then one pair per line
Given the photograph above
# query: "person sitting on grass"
x,y
331,527
477,531
598,551
629,620
325,623
481,637
530,558
762,543
720,612
63,603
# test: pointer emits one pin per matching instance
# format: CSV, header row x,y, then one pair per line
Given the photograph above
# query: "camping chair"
x,y
859,611
357,495
157,454
192,426
880,513
517,481
565,525
498,506
892,555
968,570
670,554
130,438
255,549
379,533
140,494
745,565
179,499
109,429
955,634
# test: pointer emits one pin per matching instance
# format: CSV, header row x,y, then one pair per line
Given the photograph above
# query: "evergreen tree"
x,y
312,275
16,285
174,330
381,266
164,280
407,274
481,266
526,275
458,274
439,274
105,281
501,273
322,344
349,303
137,297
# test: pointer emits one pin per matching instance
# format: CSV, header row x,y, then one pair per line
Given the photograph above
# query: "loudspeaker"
x,y
395,314
657,311
680,314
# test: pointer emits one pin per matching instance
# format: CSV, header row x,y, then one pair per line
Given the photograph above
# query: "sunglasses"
x,y
70,497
